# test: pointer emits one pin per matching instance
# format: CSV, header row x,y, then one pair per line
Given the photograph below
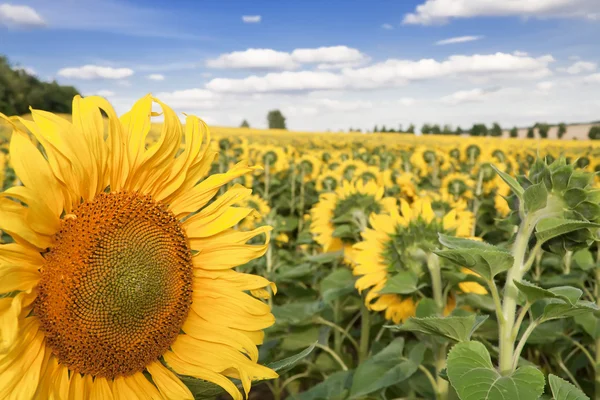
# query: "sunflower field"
x,y
167,260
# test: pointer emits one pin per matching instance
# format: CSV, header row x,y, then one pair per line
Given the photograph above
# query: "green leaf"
x,y
296,313
584,259
335,387
288,363
458,329
563,390
487,263
326,258
557,308
590,324
549,228
202,390
535,197
337,284
534,293
384,369
426,308
453,242
404,282
474,377
510,181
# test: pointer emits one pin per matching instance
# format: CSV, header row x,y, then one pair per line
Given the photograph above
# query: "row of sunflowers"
x,y
145,260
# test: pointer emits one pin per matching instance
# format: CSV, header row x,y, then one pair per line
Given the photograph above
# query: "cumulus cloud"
x,y
458,39
156,77
20,16
341,105
27,70
465,96
189,99
520,53
333,57
392,72
387,27
251,19
105,93
593,78
440,11
580,67
254,59
89,72
545,86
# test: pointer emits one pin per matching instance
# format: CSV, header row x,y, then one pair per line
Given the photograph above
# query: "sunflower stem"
x,y
302,193
365,330
440,364
269,257
597,364
293,195
433,264
267,180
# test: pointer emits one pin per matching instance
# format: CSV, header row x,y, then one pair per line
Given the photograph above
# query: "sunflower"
x,y
327,181
309,167
340,216
397,243
261,210
2,168
401,183
457,186
349,169
120,275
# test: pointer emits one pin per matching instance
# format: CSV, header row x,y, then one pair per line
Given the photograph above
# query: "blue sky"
x,y
326,64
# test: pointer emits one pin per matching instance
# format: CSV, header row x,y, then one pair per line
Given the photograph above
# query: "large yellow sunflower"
x,y
120,271
397,242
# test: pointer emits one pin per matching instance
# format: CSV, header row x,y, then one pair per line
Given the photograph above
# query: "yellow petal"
x,y
170,387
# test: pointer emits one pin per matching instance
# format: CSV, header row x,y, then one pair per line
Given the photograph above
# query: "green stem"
x,y
269,258
520,318
567,261
337,334
511,293
339,330
302,200
333,354
433,264
440,364
522,342
497,302
597,364
293,195
365,330
267,180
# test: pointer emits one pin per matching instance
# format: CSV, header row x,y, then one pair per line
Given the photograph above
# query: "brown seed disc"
x,y
117,285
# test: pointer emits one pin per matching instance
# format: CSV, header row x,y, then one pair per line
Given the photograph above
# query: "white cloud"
x,y
328,55
458,39
407,101
22,16
105,93
580,67
520,53
387,27
254,59
594,78
341,105
251,19
440,11
545,86
334,57
189,99
392,72
156,77
89,72
465,96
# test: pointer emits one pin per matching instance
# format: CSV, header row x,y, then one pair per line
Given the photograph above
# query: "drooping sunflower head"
x,y
370,173
273,158
261,211
339,217
121,267
457,186
328,181
398,246
309,167
349,169
401,184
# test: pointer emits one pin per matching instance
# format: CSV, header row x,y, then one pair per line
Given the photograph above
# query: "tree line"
x,y
19,90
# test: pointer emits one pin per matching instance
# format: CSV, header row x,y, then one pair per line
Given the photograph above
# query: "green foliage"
x,y
514,132
245,124
19,91
563,390
496,130
594,132
562,130
276,120
479,130
530,133
474,377
458,329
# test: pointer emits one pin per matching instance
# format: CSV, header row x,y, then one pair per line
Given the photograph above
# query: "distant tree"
x,y
447,130
436,130
350,130
400,128
530,133
562,130
276,120
245,124
479,130
514,132
594,132
496,130
411,129
383,129
543,130
19,90
458,131
391,130
375,129
426,129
